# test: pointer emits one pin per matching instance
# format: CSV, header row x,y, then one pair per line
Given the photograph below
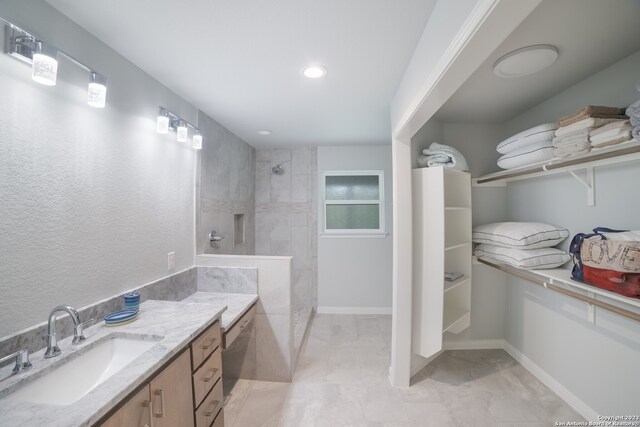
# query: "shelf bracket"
x,y
591,309
588,183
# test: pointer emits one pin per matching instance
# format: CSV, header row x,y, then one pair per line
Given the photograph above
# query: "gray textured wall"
x,y
92,200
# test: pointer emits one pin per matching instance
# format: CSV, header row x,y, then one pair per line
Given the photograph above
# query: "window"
x,y
353,203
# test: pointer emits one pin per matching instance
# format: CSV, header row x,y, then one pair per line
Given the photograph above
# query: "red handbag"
x,y
627,284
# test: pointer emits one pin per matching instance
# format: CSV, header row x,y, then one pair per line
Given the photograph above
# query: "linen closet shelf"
x,y
607,156
559,280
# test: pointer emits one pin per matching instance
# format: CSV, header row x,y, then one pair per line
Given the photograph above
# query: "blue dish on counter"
x,y
121,317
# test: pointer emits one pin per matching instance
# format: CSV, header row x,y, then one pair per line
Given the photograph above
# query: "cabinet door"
x,y
136,412
172,395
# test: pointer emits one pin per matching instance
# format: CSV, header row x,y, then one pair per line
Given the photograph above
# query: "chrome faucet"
x,y
21,362
78,336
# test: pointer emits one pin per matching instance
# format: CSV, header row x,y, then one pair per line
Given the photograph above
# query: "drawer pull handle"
x,y
160,393
244,324
149,405
208,344
212,409
210,375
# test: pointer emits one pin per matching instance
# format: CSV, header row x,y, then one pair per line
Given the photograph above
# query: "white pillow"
x,y
519,235
529,155
524,258
538,133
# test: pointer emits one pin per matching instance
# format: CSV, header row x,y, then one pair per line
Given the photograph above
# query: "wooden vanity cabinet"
x,y
172,395
136,412
208,401
185,393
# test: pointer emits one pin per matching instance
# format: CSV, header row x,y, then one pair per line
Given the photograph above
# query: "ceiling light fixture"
x,y
315,72
525,61
264,132
43,58
168,121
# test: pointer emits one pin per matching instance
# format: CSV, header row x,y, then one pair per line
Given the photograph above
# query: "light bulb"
x,y
97,93
197,140
45,64
182,131
162,124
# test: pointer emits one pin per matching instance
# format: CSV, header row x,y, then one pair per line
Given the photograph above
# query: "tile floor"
x,y
341,380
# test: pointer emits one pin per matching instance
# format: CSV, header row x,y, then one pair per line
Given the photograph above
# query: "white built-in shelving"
x,y
442,243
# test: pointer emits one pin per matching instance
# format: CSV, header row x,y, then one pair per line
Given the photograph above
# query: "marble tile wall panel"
x,y
286,217
274,347
225,186
235,280
171,288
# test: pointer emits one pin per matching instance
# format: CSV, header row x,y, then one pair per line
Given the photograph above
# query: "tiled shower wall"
x,y
287,218
226,187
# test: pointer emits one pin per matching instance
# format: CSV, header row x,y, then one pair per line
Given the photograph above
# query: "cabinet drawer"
x,y
238,327
212,404
204,345
206,376
135,412
219,422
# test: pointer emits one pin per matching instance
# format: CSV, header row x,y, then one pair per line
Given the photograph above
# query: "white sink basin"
x,y
72,380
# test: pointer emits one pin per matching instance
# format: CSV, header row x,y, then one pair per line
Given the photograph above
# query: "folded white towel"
x,y
618,124
633,111
580,135
611,135
526,137
611,142
445,155
583,124
567,150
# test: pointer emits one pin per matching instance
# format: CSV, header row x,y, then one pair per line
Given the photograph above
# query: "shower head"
x,y
277,170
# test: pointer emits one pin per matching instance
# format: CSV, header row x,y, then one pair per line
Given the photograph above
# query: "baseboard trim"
x,y
573,401
474,345
354,310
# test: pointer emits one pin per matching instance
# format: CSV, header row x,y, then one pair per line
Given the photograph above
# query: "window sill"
x,y
372,235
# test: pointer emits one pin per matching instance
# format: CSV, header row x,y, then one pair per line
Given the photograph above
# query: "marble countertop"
x,y
173,324
237,304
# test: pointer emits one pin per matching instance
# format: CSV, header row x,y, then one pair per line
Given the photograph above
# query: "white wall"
x,y
354,274
598,364
91,200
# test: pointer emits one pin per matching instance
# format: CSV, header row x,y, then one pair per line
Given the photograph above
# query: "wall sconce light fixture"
x,y
43,58
168,121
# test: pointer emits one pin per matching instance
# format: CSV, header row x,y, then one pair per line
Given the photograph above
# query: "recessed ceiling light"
x,y
315,72
525,61
265,132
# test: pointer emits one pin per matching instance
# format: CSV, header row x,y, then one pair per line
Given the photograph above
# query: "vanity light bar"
x,y
43,58
168,121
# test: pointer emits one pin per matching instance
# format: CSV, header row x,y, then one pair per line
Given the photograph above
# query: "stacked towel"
x,y
525,148
634,116
610,134
442,155
572,143
592,111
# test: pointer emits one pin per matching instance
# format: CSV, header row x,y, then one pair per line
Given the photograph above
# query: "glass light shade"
x,y
162,125
183,132
45,65
97,93
197,141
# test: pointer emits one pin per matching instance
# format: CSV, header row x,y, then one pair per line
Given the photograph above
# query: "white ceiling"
x,y
242,60
589,34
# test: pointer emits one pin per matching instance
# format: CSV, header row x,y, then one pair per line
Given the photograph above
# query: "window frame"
x,y
354,232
